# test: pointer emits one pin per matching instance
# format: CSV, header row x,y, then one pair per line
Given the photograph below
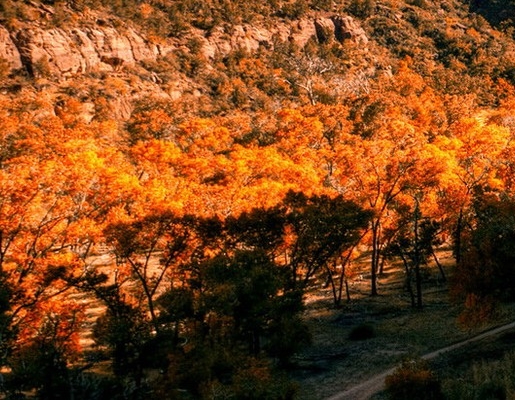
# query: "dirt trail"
x,y
367,389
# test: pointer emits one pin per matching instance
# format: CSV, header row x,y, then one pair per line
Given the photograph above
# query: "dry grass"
x,y
334,363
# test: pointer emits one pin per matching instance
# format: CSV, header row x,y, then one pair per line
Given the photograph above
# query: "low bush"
x,y
413,380
362,332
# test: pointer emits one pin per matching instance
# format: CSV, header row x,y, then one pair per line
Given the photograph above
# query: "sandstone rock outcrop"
x,y
62,52
8,50
80,50
324,28
220,41
302,32
340,28
245,37
347,28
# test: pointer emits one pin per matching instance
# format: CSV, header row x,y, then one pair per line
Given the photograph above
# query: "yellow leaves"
x,y
203,135
57,322
264,175
474,154
118,214
204,171
87,159
398,161
296,127
478,149
105,131
156,154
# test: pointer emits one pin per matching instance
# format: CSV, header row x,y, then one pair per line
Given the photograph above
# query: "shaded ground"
x,y
334,363
455,354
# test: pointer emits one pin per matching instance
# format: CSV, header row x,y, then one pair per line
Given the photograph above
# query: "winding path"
x,y
368,388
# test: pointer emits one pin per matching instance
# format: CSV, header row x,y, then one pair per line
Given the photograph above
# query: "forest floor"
x,y
334,363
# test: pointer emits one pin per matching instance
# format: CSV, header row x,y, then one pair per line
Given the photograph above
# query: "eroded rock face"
x,y
78,50
67,52
302,32
245,37
8,50
340,28
250,38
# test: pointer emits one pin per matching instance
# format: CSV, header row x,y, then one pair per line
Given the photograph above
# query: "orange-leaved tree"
x,y
58,186
475,151
377,170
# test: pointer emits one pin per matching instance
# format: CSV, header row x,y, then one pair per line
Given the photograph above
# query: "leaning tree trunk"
x,y
439,265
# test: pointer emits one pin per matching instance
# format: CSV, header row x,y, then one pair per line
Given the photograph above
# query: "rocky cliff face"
x,y
8,50
65,52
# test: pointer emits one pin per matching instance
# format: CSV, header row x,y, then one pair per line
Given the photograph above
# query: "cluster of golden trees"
x,y
199,224
208,230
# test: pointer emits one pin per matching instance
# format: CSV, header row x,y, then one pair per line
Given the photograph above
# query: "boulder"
x,y
345,27
324,28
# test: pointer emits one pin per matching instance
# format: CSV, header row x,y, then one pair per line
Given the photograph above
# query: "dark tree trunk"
x,y
375,257
440,266
347,289
457,238
408,279
417,261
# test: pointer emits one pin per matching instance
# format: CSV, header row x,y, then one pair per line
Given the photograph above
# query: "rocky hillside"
x,y
40,51
106,44
178,50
